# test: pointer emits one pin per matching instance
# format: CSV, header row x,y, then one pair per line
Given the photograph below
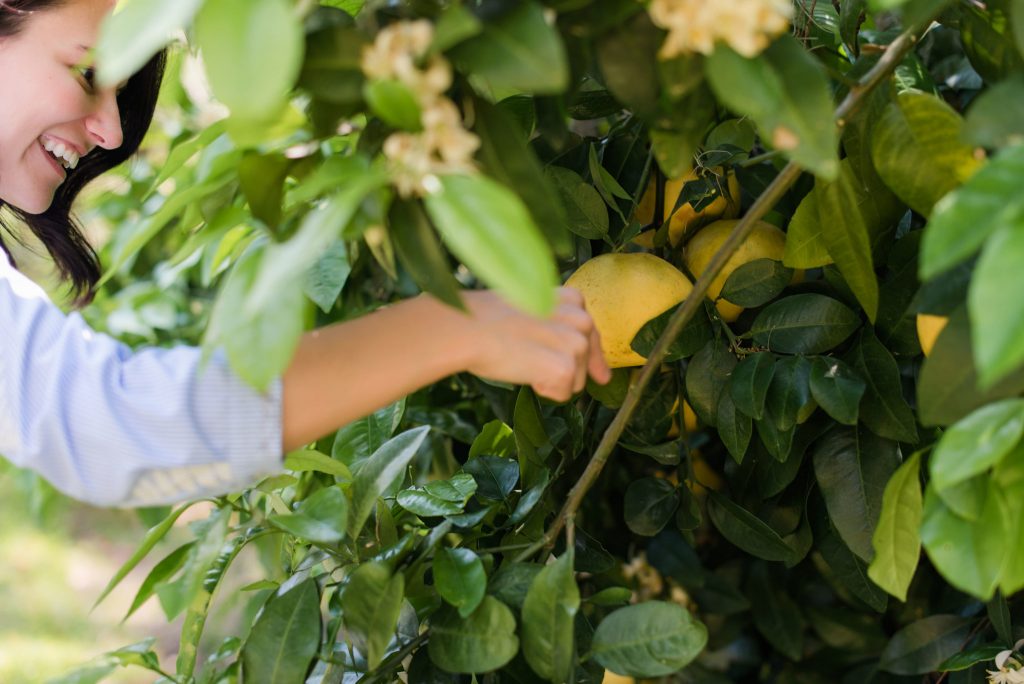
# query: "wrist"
x,y
457,332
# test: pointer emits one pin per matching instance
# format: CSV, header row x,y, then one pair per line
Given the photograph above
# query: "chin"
x,y
31,205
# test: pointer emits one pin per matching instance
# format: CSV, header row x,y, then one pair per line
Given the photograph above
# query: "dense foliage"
x,y
778,541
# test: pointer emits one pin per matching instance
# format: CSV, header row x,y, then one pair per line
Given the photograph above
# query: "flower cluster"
x,y
399,53
747,26
1009,667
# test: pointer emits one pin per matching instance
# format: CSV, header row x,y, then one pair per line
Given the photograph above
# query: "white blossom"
x,y
747,26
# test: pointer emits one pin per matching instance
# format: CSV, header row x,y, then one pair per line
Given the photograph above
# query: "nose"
x,y
104,124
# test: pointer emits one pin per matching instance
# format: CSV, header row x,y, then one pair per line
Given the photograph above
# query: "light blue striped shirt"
x,y
116,427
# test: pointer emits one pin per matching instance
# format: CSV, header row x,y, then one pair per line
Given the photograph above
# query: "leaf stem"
x,y
764,203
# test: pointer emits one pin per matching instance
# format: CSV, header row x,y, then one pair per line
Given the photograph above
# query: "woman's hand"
x,y
553,355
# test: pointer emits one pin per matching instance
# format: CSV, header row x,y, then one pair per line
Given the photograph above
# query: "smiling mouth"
x,y
54,164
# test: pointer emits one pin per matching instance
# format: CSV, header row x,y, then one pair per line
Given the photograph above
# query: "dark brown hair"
x,y
75,258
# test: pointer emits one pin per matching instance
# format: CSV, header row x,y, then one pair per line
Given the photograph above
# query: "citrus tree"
x,y
773,209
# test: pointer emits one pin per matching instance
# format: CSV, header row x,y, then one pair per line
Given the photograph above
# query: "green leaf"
x,y
789,394
852,467
285,637
693,336
261,179
487,227
508,158
776,616
996,326
845,213
495,439
587,215
750,381
746,530
495,476
850,570
883,408
395,103
650,503
420,253
837,389
460,578
548,615
320,518
519,51
786,93
252,50
707,376
991,120
918,152
627,56
651,639
969,554
379,472
484,641
947,389
734,427
804,324
988,203
967,659
756,282
371,604
210,537
920,647
976,443
998,611
897,537
354,443
149,541
512,581
440,497
305,461
160,573
135,33
327,277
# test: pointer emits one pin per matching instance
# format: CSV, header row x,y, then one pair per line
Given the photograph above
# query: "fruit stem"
x,y
894,54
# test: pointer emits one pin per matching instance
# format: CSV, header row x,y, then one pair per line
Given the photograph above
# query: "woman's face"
x,y
46,101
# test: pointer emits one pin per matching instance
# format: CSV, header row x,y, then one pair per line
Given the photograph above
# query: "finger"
x,y
570,295
575,316
557,376
597,366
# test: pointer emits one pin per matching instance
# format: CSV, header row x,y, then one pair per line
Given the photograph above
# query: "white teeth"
x,y
65,154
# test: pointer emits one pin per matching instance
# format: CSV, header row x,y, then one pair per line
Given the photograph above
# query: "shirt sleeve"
x,y
116,427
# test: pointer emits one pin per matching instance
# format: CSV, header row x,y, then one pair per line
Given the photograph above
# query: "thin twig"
x,y
894,54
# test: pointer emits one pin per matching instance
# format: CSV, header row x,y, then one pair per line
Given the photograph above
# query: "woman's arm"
x,y
350,369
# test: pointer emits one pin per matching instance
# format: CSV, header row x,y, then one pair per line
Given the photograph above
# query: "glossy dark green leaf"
x,y
998,611
285,637
785,92
320,518
420,253
745,530
789,393
776,616
918,152
694,335
440,497
519,51
850,570
750,381
548,614
512,581
587,215
837,389
707,376
355,442
460,578
495,476
651,639
852,467
490,230
379,472
969,554
508,158
650,503
976,443
756,282
883,408
804,324
734,427
897,537
969,658
922,646
484,641
372,601
779,443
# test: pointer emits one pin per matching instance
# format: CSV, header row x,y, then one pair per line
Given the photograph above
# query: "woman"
x,y
116,427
